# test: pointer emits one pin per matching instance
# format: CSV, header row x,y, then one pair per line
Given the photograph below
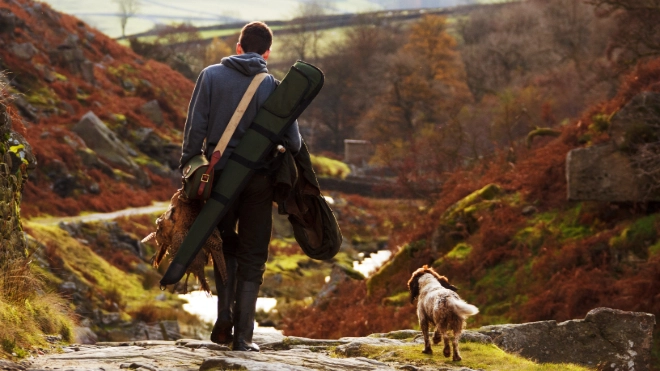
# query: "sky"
x,y
102,14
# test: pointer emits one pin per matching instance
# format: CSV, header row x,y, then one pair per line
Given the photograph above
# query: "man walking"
x,y
217,93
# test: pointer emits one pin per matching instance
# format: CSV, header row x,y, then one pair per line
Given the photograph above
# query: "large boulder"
x,y
102,140
153,112
24,51
602,173
98,137
161,150
611,338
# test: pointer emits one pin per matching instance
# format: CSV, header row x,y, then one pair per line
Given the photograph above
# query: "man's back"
x,y
218,91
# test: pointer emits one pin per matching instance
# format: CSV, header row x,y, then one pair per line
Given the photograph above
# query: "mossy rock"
x,y
460,252
541,132
400,262
398,300
487,193
459,220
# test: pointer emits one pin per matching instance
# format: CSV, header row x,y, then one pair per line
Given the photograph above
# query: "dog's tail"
x,y
463,309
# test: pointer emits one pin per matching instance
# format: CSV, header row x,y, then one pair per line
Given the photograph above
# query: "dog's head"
x,y
413,283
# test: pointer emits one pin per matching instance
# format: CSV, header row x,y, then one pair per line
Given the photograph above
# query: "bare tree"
x,y
637,30
303,40
127,9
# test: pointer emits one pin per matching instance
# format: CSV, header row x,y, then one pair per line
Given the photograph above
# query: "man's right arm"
x,y
197,121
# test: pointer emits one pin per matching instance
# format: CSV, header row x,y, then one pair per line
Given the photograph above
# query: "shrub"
x,y
325,166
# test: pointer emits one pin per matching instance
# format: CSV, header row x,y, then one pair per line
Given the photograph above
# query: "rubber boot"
x,y
221,333
246,302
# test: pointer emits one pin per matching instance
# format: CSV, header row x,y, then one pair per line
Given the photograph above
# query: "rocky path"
x,y
606,338
278,353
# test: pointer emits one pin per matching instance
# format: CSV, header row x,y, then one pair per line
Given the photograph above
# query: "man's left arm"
x,y
292,138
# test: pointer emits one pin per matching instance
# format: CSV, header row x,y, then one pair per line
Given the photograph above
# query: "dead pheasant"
x,y
172,227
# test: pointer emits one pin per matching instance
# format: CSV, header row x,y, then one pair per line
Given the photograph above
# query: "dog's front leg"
x,y
424,325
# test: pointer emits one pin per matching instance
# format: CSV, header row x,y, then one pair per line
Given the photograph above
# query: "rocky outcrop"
x,y
617,171
638,121
23,51
70,55
158,148
601,173
99,138
613,339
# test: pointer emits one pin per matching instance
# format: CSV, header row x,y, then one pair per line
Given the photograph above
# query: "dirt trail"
x,y
86,218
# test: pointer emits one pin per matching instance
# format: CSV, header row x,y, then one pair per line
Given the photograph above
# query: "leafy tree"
x,y
413,121
354,77
217,50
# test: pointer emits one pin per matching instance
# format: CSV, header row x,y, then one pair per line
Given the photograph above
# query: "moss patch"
x,y
460,252
637,236
475,356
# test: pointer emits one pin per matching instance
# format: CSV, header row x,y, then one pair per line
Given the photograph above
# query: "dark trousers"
x,y
248,243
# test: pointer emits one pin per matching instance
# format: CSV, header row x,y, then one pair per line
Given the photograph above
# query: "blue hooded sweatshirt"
x,y
218,91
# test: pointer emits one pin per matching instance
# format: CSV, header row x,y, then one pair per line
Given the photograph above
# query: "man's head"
x,y
255,37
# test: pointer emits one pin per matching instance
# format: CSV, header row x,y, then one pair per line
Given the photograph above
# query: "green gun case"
x,y
296,91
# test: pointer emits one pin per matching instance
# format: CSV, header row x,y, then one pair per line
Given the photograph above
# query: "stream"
x,y
199,302
205,305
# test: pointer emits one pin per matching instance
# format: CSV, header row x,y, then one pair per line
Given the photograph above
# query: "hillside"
x,y
58,70
505,234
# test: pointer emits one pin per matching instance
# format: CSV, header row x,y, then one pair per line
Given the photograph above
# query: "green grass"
x,y
475,356
562,226
460,252
639,234
91,269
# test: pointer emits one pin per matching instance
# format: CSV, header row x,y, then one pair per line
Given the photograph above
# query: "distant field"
x,y
102,14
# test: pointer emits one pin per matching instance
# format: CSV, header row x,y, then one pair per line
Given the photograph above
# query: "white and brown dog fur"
x,y
439,305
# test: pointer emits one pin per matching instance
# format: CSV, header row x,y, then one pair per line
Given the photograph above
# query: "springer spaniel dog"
x,y
439,305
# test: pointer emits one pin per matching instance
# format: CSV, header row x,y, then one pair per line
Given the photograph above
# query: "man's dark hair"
x,y
256,37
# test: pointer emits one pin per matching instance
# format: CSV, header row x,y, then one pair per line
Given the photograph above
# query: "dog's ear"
x,y
414,289
413,285
445,283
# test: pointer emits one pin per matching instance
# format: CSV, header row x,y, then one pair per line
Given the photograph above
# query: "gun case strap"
x,y
238,114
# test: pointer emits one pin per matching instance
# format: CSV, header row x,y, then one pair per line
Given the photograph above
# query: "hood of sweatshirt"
x,y
248,64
